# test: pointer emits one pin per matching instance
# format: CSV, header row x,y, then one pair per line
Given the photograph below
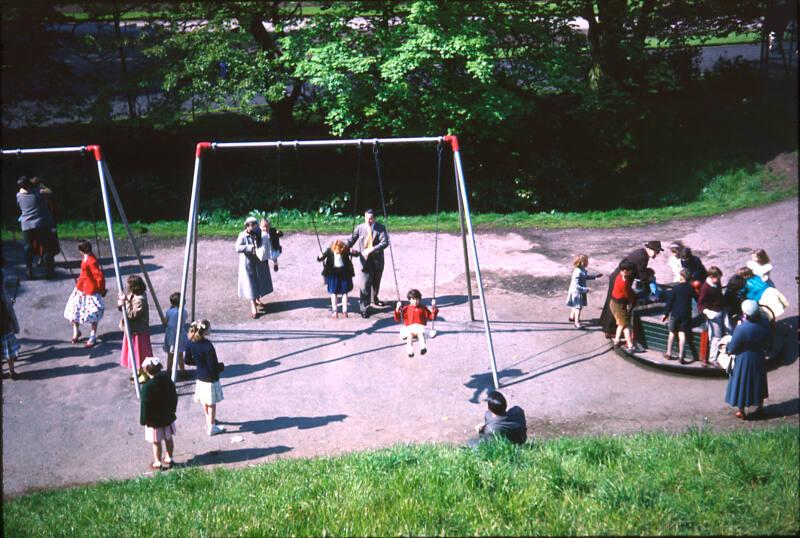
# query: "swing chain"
x,y
278,165
358,181
379,177
436,232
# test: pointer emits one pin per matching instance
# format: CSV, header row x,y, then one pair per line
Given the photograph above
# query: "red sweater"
x,y
419,314
91,279
622,291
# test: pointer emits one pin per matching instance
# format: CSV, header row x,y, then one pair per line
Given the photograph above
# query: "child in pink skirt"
x,y
138,313
159,399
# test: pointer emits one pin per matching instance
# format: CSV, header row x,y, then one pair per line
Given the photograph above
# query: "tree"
x,y
426,66
230,54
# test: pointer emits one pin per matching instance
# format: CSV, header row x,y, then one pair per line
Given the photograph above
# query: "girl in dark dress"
x,y
338,272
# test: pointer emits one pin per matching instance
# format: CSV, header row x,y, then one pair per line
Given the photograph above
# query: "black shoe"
x,y
364,314
378,302
423,351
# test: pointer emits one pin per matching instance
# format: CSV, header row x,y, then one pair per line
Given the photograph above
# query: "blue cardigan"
x,y
204,356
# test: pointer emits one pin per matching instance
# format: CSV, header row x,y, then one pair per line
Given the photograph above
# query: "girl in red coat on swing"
x,y
85,304
414,317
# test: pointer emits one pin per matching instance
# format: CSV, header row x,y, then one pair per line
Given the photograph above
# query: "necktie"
x,y
369,239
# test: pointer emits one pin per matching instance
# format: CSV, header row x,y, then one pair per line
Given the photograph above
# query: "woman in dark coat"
x,y
639,258
747,385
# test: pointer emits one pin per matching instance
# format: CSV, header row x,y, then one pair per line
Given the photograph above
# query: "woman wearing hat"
x,y
639,258
747,385
254,278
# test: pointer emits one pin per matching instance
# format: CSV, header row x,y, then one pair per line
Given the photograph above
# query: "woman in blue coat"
x,y
747,385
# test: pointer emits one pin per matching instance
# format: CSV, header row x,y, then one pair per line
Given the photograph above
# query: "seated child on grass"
x,y
414,317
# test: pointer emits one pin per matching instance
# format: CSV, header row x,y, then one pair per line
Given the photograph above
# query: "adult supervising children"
x,y
368,241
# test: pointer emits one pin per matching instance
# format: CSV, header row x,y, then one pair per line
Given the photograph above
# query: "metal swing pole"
x,y
136,250
194,260
191,228
101,169
462,226
465,201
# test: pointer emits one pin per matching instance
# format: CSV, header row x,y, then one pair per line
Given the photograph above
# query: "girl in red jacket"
x,y
414,317
85,304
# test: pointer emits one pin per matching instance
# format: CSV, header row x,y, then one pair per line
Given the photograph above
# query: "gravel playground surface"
x,y
298,383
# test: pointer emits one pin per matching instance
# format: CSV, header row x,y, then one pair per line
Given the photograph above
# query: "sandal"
x,y
739,414
76,338
90,343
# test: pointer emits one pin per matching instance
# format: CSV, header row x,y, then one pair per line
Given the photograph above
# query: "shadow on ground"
x,y
215,457
282,423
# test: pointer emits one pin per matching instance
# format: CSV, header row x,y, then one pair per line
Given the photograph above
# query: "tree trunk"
x,y
123,61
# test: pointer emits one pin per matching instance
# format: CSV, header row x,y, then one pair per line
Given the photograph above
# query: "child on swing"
x,y
274,235
414,317
338,272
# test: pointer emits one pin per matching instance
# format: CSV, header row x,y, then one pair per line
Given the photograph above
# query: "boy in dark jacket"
x,y
679,312
499,422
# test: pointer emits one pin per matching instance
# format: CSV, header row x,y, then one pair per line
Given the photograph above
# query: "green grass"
x,y
731,39
727,192
698,482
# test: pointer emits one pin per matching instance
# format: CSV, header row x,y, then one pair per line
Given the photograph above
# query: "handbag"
x,y
725,360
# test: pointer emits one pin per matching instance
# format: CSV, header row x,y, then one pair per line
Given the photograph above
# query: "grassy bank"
x,y
744,482
727,192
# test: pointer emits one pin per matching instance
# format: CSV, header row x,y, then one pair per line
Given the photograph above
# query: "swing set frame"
x,y
106,184
190,252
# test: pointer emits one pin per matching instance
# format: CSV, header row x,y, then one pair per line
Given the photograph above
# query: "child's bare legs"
x,y
627,333
575,315
344,304
670,340
423,349
93,334
12,374
157,454
254,307
334,306
181,365
170,447
681,343
409,347
169,362
617,334
211,412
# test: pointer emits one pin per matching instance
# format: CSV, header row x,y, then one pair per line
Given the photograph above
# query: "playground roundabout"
x,y
299,384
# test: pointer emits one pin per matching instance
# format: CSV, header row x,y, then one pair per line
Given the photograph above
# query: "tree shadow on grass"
x,y
216,457
281,423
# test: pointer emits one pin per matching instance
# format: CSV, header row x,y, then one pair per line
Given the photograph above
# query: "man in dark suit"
x,y
370,240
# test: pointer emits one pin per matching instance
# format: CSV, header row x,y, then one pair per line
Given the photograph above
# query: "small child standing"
x,y
201,353
171,332
759,264
679,313
576,296
711,304
338,272
674,260
414,317
274,241
9,327
159,400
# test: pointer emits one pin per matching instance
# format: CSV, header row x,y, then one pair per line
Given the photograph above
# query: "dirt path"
x,y
300,384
